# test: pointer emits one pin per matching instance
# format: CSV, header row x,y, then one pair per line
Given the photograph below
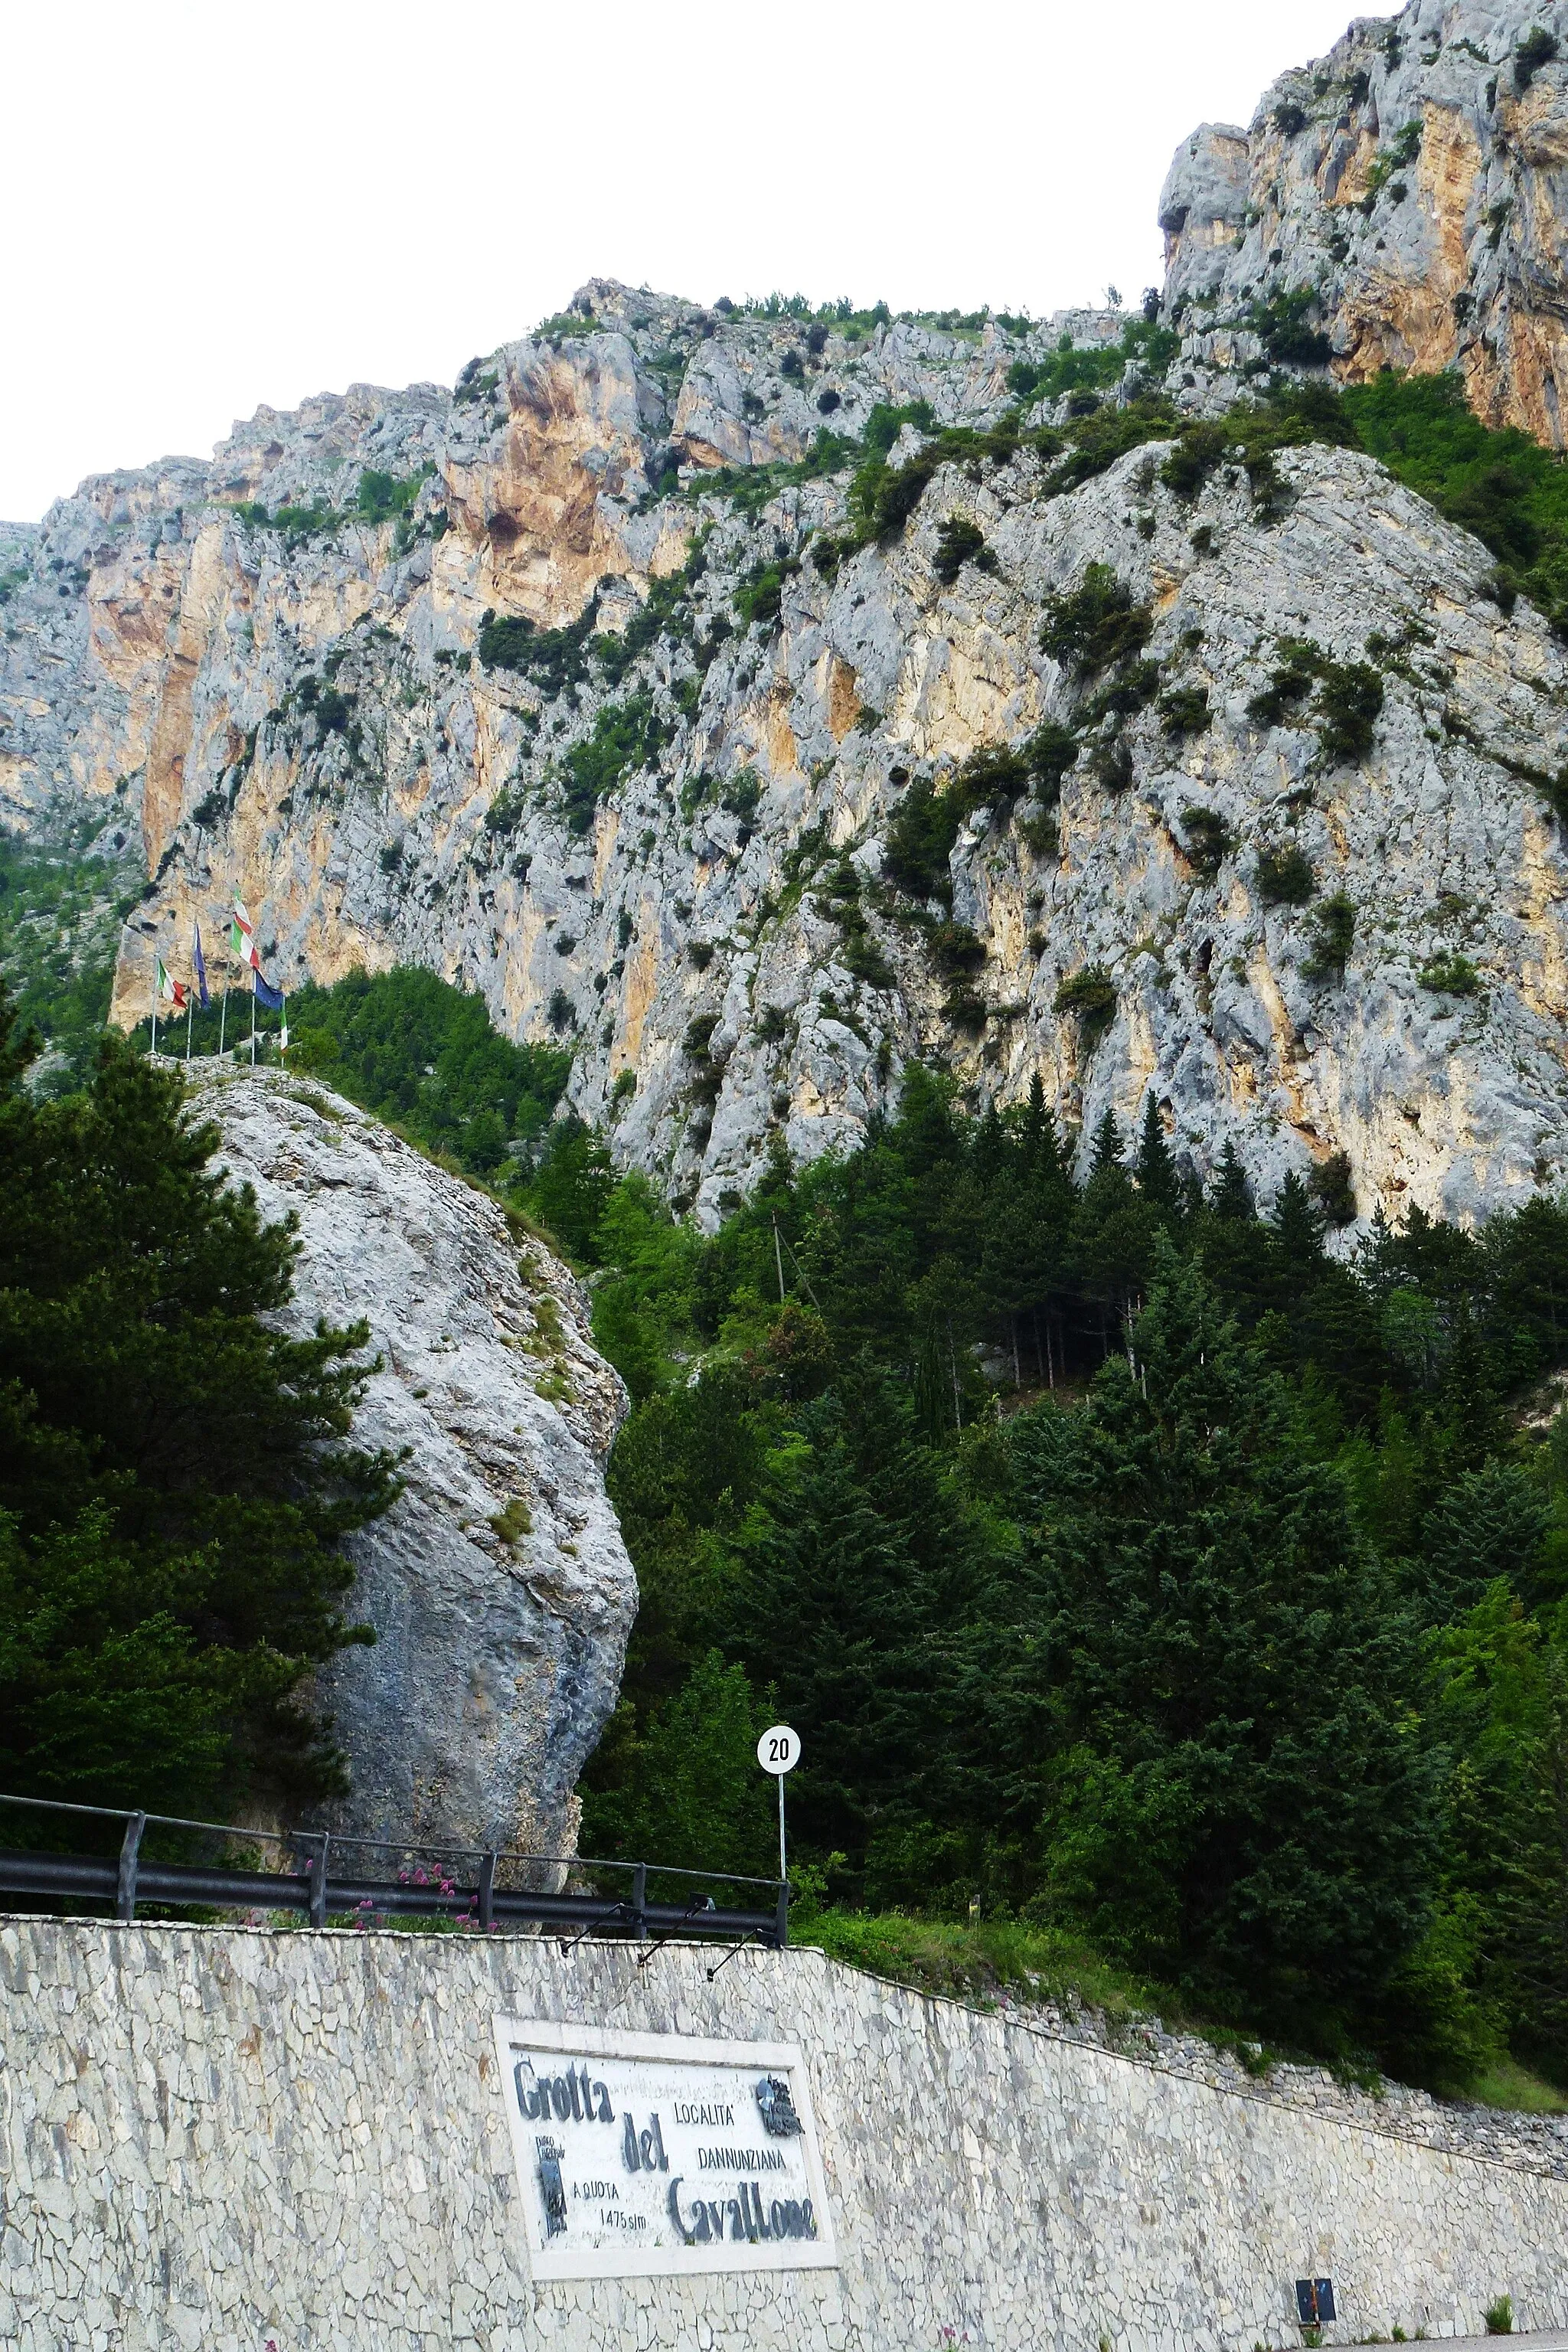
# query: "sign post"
x,y
778,1752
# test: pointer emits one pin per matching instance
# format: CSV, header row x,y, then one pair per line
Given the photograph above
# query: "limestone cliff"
x,y
571,685
1407,195
498,1584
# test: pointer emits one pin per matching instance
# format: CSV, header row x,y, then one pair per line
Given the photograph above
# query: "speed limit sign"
x,y
778,1751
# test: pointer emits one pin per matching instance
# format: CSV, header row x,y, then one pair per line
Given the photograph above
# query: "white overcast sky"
x,y
209,206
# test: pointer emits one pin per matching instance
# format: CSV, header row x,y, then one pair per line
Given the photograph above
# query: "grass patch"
x,y
1506,2084
977,1962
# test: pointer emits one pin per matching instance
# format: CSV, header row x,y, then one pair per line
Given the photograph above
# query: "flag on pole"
x,y
241,934
199,967
266,994
173,992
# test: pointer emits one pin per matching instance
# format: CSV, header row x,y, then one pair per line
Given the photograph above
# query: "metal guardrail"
x,y
324,1888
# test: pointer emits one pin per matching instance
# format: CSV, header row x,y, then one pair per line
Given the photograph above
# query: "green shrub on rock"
x,y
1088,997
1095,624
1184,710
1285,877
1449,975
961,541
1209,840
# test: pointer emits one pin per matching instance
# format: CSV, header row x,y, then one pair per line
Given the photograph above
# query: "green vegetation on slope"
x,y
1194,1599
60,912
1126,1562
424,1056
174,1475
1504,486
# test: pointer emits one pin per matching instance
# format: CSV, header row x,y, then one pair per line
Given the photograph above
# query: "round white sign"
x,y
778,1751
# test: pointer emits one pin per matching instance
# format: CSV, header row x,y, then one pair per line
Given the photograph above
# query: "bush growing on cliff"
x,y
1089,997
1334,936
1285,877
920,839
1538,48
627,735
761,594
383,496
961,541
1350,702
556,659
1450,974
1208,840
1096,623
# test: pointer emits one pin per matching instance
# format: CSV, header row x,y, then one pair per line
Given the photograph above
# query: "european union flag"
x,y
198,966
272,998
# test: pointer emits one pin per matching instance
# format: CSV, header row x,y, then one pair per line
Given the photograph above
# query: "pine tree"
x,y
1105,1153
1113,1235
1526,1257
1490,1524
1239,1796
684,1789
861,1556
1154,1166
174,1471
1231,1196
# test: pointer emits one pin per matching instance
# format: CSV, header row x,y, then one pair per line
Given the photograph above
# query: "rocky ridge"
x,y
579,685
1405,199
498,1584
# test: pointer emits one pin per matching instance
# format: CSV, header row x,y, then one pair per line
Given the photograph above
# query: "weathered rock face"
x,y
669,846
498,1584
1415,183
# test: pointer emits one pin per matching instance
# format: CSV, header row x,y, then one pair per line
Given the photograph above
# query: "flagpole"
x,y
222,1017
190,1018
253,1020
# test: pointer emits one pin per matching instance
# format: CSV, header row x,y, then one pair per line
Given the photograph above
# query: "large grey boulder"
x,y
498,1584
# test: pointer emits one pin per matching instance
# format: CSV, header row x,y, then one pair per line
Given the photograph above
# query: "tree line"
x,y
1127,1556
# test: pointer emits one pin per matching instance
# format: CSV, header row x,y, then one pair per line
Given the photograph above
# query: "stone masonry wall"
x,y
232,2138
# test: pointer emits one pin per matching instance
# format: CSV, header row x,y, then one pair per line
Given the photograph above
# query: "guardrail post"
x,y
129,1864
487,1892
640,1901
319,1882
781,1918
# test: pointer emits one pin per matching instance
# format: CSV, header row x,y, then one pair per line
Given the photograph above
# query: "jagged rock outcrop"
x,y
544,683
498,1584
1413,184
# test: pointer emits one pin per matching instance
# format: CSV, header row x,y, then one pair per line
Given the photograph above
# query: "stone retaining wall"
x,y
222,2138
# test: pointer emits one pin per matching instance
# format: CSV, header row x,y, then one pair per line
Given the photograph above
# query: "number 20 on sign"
x,y
778,1752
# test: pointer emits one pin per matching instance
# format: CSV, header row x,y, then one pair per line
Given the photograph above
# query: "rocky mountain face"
x,y
579,685
1414,183
498,1584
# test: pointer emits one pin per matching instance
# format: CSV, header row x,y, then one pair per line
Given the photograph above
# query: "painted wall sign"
x,y
651,2154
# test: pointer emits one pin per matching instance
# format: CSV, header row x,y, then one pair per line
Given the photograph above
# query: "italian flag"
x,y
170,991
241,935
